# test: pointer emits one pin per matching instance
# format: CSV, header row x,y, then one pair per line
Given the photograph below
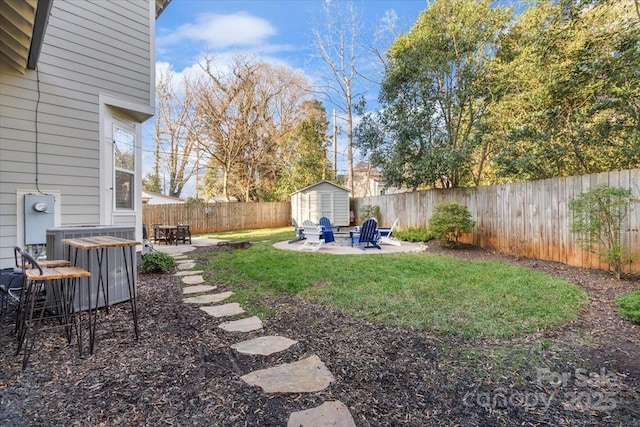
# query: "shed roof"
x,y
324,181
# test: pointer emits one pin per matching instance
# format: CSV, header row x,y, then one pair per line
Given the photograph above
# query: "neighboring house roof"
x,y
151,198
366,168
222,199
23,28
321,182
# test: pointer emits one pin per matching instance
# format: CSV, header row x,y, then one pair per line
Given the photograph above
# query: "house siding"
x,y
90,48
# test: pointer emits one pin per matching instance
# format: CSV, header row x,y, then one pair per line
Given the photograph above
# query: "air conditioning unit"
x,y
118,289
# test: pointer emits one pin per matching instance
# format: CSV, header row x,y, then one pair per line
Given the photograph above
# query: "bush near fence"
x,y
529,219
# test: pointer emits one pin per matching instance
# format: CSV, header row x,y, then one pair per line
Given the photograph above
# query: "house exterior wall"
x,y
96,68
321,199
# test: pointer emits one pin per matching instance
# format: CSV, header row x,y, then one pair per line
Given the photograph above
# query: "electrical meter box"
x,y
39,215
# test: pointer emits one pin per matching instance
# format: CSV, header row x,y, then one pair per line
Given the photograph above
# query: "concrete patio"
x,y
336,248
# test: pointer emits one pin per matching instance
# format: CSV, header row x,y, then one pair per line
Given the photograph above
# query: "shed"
x,y
324,198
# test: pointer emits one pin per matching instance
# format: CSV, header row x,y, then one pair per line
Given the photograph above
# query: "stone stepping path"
x,y
304,376
186,265
192,280
188,273
248,324
208,298
224,310
264,346
333,413
197,289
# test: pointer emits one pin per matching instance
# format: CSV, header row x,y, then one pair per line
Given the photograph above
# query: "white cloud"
x,y
219,31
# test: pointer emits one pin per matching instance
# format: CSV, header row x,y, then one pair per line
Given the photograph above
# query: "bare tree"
x,y
175,143
339,50
245,111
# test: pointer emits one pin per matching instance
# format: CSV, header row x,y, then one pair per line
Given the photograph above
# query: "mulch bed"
x,y
182,372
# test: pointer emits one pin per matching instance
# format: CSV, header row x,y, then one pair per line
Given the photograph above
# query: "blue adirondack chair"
x,y
327,231
368,237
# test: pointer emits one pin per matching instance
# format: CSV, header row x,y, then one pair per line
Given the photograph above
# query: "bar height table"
x,y
100,244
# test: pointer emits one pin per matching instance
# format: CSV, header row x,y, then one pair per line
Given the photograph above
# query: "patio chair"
x,y
385,234
298,230
327,232
308,226
368,236
183,233
313,239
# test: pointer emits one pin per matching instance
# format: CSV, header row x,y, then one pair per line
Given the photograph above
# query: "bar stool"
x,y
48,294
15,293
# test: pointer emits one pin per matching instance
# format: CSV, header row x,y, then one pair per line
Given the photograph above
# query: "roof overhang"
x,y
23,24
161,5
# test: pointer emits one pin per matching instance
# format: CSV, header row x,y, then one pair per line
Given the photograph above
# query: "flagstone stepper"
x,y
197,289
192,280
264,345
248,324
186,265
333,413
208,298
224,310
188,273
305,376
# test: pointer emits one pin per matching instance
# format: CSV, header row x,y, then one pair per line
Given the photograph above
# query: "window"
x,y
124,161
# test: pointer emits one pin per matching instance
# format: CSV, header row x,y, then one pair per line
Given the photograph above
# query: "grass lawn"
x,y
444,295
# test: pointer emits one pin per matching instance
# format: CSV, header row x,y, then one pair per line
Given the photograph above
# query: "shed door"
x,y
326,205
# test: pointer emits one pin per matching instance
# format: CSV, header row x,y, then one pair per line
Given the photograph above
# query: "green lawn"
x,y
445,295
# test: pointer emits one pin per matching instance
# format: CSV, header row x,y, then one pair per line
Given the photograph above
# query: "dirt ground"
x,y
181,372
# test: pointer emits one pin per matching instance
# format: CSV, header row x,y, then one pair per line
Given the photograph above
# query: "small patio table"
x,y
99,244
169,233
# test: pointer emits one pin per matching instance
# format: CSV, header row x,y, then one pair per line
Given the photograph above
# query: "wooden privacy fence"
x,y
211,217
530,219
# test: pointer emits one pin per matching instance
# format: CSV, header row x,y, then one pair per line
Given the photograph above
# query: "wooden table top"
x,y
99,242
56,273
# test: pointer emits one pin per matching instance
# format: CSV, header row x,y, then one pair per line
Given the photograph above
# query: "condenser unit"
x,y
118,288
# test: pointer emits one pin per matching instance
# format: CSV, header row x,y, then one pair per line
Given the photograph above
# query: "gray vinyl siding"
x,y
90,48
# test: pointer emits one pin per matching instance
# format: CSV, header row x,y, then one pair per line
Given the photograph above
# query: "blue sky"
x,y
279,31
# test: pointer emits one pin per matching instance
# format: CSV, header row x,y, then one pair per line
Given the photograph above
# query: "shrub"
x,y
450,221
369,211
414,234
598,216
630,306
158,262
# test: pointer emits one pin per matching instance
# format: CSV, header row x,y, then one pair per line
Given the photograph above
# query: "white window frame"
x,y
119,126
